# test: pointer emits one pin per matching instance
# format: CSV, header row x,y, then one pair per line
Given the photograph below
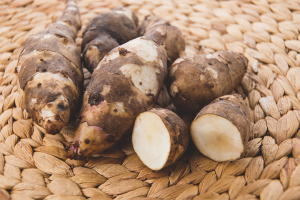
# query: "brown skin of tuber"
x,y
233,139
196,81
178,133
105,32
233,108
125,83
50,76
95,50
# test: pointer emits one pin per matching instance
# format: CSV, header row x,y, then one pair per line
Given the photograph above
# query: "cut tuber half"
x,y
221,129
159,138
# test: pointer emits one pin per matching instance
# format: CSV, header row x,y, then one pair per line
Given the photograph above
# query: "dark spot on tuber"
x,y
41,59
211,85
44,70
115,110
39,85
140,83
95,99
123,52
87,141
49,105
61,106
56,117
110,139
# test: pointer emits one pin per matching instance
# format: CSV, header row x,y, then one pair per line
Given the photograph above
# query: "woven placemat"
x,y
34,165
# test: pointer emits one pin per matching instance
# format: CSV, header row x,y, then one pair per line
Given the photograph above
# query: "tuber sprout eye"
x,y
61,107
123,52
95,99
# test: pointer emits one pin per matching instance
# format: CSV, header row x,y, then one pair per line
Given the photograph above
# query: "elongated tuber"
x,y
125,83
221,129
196,81
159,138
105,32
50,76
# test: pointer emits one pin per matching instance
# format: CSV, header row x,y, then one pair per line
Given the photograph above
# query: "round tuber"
x,y
196,81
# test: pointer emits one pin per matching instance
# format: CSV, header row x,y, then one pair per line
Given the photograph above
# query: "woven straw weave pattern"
x,y
34,165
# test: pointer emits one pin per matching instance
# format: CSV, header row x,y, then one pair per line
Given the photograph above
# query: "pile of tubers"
x,y
129,66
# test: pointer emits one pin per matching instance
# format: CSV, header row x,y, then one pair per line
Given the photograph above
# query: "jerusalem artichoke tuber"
x,y
50,76
125,83
221,129
196,81
105,32
159,138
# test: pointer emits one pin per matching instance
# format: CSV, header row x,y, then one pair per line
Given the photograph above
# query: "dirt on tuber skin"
x,y
125,83
221,129
50,76
196,81
105,32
